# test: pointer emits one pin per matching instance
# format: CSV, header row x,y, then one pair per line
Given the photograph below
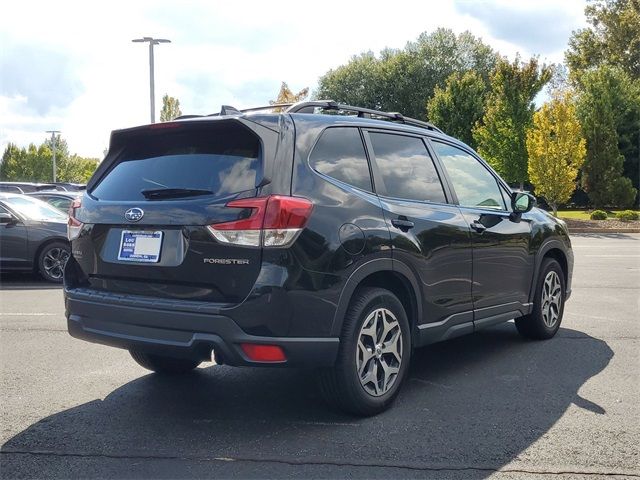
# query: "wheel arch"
x,y
553,249
383,273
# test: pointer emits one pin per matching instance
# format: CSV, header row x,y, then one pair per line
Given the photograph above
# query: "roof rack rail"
x,y
311,105
308,107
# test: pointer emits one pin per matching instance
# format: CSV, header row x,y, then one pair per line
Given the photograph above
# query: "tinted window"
x,y
406,168
473,183
223,159
340,154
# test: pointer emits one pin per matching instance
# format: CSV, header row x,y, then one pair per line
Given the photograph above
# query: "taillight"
x,y
275,221
73,224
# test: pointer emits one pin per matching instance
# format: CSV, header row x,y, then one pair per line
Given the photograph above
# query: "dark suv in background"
x,y
325,236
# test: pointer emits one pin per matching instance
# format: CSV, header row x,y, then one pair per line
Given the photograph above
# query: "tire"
x,y
545,319
162,364
341,385
52,259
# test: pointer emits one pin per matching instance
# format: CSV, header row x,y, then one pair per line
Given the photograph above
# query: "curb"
x,y
603,230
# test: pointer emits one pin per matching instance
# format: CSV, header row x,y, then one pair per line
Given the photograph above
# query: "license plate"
x,y
140,246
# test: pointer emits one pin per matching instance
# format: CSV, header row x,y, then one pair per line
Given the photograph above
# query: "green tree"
x,y
613,38
458,106
404,79
501,135
556,150
602,108
170,108
35,164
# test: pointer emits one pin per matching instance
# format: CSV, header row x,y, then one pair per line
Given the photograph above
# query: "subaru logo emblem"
x,y
134,214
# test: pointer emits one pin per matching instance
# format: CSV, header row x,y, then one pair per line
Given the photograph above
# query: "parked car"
x,y
24,187
299,238
59,199
69,186
32,236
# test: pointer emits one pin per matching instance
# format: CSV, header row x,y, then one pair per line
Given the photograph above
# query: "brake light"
x,y
275,221
73,224
263,353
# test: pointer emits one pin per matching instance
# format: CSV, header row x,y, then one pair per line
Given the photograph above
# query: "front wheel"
x,y
548,306
374,355
163,364
52,260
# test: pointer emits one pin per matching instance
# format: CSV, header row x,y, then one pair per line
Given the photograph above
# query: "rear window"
x,y
223,159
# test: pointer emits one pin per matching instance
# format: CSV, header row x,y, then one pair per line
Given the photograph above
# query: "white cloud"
x,y
221,53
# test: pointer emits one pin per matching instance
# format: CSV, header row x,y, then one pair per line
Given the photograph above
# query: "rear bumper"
x,y
136,323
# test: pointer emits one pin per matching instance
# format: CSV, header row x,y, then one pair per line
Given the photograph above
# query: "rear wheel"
x,y
52,260
374,355
163,364
548,306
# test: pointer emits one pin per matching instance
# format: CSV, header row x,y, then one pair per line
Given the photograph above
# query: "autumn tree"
x,y
556,150
286,95
170,108
602,108
459,105
501,134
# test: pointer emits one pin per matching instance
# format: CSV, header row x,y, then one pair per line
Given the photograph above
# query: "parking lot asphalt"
x,y
489,405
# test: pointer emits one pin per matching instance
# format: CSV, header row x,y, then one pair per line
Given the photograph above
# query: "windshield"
x,y
34,209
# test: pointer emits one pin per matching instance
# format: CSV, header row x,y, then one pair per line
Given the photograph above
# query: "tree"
x,y
35,164
286,95
458,106
404,79
170,108
556,150
501,135
612,39
601,109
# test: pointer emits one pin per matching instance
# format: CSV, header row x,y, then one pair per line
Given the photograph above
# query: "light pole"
x,y
152,41
53,148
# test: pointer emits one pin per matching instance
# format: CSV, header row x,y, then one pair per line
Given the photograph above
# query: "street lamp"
x,y
53,148
152,41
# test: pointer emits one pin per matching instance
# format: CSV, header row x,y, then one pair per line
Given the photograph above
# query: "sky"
x,y
71,65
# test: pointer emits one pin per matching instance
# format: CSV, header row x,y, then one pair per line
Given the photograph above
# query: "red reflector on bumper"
x,y
263,353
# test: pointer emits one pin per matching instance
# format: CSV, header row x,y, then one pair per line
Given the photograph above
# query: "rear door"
x,y
428,234
146,217
503,261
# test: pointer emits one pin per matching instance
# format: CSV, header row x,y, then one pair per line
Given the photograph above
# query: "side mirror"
x,y
6,218
522,202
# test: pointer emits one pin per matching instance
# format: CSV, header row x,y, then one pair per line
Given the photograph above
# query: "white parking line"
x,y
22,314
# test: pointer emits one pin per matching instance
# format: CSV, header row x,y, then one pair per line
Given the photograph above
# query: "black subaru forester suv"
x,y
323,235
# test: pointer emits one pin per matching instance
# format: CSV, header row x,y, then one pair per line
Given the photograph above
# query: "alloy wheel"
x,y
551,299
54,261
379,352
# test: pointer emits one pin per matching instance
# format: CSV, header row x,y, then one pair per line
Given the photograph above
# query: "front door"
x,y
503,261
13,244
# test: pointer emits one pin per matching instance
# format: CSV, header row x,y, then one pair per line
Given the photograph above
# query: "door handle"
x,y
477,226
403,224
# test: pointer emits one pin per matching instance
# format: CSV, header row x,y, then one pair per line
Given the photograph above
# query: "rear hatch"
x,y
146,212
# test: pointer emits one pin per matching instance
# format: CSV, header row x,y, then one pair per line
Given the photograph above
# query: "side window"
x,y
473,183
406,167
340,154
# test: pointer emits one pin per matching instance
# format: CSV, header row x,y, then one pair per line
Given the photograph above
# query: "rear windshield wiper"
x,y
174,192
